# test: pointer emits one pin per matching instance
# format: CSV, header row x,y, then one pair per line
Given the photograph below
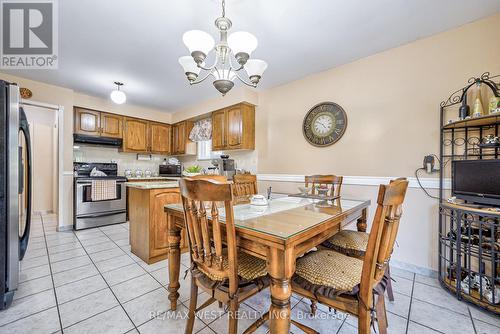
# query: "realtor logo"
x,y
29,34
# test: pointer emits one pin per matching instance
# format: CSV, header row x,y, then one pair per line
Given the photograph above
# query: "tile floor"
x,y
89,282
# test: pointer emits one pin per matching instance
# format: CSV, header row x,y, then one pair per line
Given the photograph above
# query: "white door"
x,y
43,131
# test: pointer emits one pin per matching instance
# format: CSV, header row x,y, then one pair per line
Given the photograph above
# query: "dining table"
x,y
279,232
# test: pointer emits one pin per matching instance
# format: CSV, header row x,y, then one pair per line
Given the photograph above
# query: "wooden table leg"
x,y
361,224
174,262
281,266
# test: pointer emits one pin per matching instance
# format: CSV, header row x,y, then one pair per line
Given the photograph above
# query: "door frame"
x,y
60,149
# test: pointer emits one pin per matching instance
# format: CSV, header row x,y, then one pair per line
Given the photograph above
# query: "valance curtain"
x,y
202,130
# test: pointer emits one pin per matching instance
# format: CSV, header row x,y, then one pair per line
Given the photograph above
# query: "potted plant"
x,y
192,171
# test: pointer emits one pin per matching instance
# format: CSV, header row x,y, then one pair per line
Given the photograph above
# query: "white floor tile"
x,y
86,307
43,322
114,263
142,308
74,274
123,274
34,286
28,305
80,288
113,321
135,287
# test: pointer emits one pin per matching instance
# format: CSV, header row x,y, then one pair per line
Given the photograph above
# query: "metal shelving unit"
x,y
469,235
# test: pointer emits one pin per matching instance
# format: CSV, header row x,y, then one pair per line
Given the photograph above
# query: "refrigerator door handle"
x,y
24,128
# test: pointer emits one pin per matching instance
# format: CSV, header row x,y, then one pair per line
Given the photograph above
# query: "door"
x,y
160,138
111,125
218,130
135,135
234,127
42,122
87,122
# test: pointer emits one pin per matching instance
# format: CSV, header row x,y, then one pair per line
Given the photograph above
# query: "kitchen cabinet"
x,y
135,135
148,221
97,123
233,128
160,138
87,122
218,130
180,138
111,125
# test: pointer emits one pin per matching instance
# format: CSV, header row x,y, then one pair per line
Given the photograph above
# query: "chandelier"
x,y
238,46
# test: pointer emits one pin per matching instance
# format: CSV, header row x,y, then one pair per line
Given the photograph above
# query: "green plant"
x,y
193,169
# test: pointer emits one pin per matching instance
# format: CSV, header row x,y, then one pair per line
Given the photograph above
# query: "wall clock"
x,y
324,124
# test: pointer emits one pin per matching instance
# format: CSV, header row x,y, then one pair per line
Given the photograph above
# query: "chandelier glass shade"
x,y
232,55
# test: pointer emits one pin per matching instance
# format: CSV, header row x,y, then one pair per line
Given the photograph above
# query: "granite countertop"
x,y
153,185
152,178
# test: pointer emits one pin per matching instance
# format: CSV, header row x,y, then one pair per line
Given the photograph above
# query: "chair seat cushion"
x,y
330,269
351,243
249,267
330,274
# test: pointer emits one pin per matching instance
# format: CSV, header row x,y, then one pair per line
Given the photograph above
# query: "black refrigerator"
x,y
15,189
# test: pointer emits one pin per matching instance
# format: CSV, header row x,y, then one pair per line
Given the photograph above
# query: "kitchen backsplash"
x,y
246,160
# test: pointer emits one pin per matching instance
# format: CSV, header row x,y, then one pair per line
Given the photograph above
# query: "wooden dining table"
x,y
279,233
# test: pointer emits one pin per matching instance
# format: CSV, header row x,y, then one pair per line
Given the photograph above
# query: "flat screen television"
x,y
477,181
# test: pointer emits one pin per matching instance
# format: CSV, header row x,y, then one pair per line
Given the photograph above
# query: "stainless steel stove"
x,y
94,213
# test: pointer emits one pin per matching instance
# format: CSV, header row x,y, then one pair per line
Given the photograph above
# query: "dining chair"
x,y
333,182
218,268
245,184
354,243
348,283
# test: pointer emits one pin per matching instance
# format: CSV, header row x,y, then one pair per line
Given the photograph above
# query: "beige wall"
x,y
392,103
68,98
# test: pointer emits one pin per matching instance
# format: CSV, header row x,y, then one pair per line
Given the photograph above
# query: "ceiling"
x,y
139,42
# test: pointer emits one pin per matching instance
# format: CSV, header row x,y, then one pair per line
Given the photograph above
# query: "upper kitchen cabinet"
x,y
135,135
180,138
233,128
96,123
111,125
87,122
160,138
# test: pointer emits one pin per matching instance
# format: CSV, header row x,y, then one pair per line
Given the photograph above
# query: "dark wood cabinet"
x,y
233,128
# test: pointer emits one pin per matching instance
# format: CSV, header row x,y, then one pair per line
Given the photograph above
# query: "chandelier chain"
x,y
223,8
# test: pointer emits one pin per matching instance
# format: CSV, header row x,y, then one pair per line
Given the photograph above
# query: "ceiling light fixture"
x,y
118,96
238,45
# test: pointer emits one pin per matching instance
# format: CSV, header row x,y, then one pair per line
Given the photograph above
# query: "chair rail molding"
x,y
428,182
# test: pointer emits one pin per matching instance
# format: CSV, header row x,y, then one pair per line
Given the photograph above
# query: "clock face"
x,y
324,124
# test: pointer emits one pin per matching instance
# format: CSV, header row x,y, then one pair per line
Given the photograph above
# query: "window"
x,y
204,150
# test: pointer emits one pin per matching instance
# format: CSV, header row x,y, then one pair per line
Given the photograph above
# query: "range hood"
x,y
106,141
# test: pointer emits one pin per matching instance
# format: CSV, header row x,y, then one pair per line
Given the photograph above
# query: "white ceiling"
x,y
139,42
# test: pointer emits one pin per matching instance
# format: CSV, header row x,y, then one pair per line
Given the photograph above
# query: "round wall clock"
x,y
324,124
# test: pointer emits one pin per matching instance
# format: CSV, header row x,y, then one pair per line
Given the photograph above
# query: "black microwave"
x,y
170,170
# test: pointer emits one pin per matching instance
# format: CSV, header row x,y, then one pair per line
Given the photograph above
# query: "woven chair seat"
x,y
350,243
249,267
328,272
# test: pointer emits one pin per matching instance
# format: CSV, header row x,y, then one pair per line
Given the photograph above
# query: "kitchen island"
x,y
148,222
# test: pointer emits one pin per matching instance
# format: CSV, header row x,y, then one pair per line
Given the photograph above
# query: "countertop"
x,y
153,185
152,178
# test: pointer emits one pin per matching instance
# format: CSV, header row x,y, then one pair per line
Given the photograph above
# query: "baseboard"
x,y
414,268
64,228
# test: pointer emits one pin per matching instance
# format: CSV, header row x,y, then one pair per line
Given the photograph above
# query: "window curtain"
x,y
202,130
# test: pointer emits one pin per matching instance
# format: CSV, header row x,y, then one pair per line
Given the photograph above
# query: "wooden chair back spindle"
x,y
245,184
333,182
205,242
382,236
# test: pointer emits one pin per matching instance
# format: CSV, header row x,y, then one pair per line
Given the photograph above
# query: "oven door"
x,y
85,205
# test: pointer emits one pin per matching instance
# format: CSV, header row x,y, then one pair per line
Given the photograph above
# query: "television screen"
x,y
477,181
